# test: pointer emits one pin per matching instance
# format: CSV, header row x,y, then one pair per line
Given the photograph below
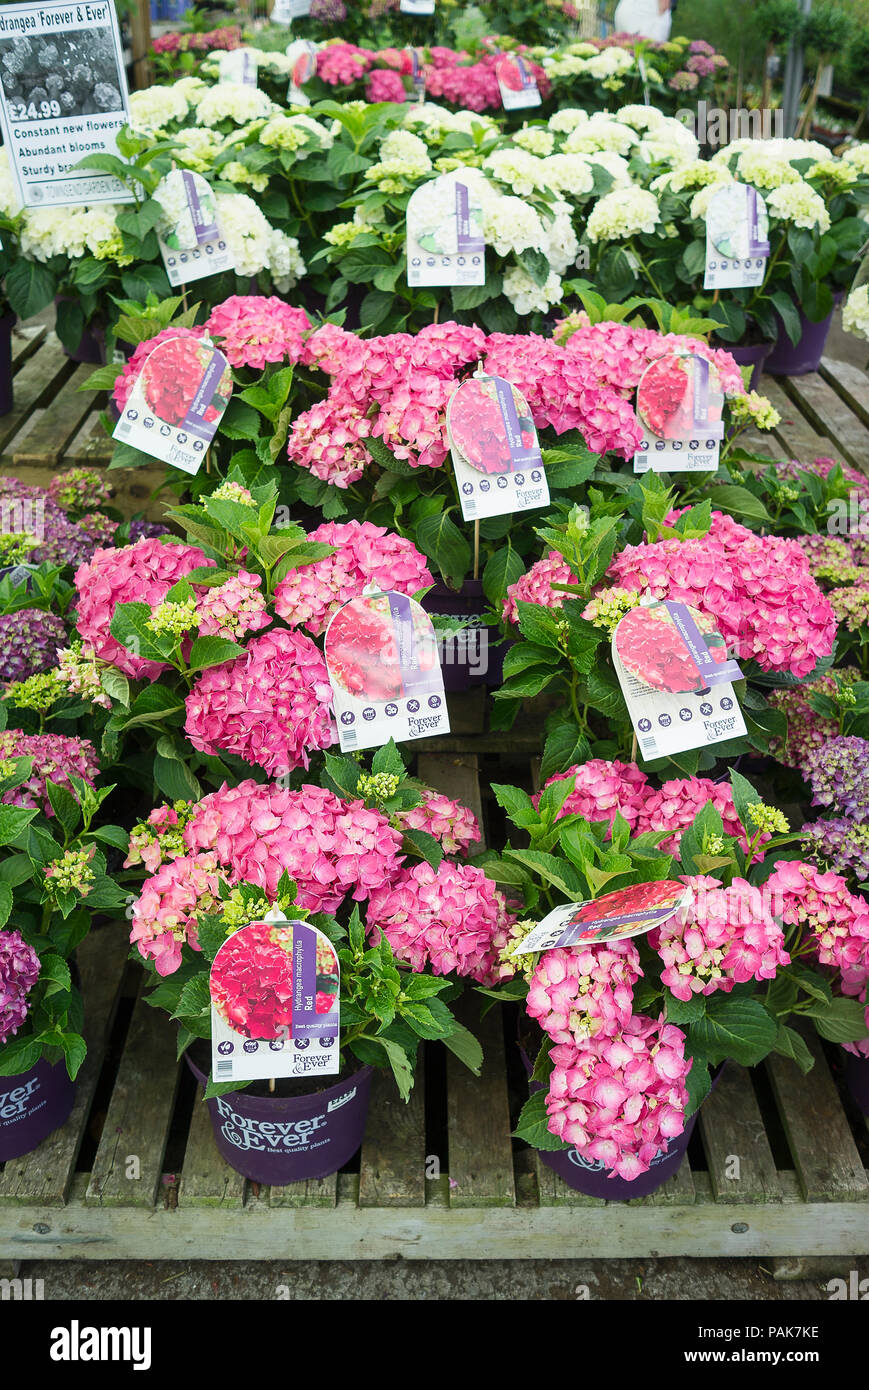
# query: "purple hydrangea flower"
x,y
19,971
146,530
328,11
29,643
30,510
838,774
842,845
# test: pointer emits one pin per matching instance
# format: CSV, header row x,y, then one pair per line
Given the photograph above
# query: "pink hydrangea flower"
x,y
451,823
835,919
56,758
578,992
232,609
19,971
536,585
620,1098
330,847
270,707
601,788
328,440
140,573
384,85
446,918
252,330
728,936
164,914
364,554
678,803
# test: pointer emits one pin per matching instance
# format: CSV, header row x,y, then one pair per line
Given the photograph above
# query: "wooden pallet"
x,y
823,413
54,426
439,1178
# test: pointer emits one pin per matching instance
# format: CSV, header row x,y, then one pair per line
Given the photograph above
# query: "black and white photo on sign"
x,y
63,95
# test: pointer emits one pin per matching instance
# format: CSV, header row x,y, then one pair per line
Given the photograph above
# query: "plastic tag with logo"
x,y
239,65
496,456
385,672
189,235
303,56
737,238
517,83
445,243
679,405
611,917
176,402
275,1007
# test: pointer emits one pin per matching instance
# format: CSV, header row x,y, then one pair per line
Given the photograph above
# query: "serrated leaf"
x,y
734,1027
533,1126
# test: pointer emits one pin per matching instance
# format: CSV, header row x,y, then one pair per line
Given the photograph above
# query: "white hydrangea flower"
x,y
855,315
641,117
800,204
153,109
858,156
197,148
233,101
404,160
519,170
190,88
526,295
610,62
623,213
65,231
837,171
669,143
10,203
299,133
614,164
562,245
284,261
565,65
766,168
601,132
566,120
568,173
697,173
535,139
236,172
511,226
247,233
700,202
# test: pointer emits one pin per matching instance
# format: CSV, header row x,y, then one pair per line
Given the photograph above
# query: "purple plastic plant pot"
x,y
32,1105
857,1080
752,355
797,359
284,1139
471,657
592,1177
7,323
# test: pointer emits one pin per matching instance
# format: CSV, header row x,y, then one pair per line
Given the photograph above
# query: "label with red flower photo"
x,y
238,65
303,56
275,1007
679,405
444,234
493,441
385,672
517,83
177,402
676,678
188,234
285,11
737,238
612,917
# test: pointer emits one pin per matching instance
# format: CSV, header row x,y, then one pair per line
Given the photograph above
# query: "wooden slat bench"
x,y
440,1178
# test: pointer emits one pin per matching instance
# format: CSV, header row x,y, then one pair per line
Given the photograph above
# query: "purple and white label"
x,y
204,229
496,456
710,671
445,243
517,83
308,1021
737,238
159,420
709,429
468,238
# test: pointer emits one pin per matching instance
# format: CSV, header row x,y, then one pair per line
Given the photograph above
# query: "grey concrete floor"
x,y
437,1280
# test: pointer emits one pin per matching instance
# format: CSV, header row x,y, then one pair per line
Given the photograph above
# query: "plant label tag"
x,y
303,55
412,66
496,456
737,238
188,235
285,11
611,917
239,65
444,234
676,678
385,672
177,402
679,405
275,1010
417,6
517,83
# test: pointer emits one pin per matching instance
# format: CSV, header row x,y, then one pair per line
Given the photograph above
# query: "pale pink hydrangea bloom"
x,y
601,788
164,914
56,758
678,803
728,936
451,823
252,330
140,573
577,992
232,609
446,918
270,707
536,585
620,1098
364,554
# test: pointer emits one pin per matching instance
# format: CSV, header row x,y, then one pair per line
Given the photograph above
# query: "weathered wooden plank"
x,y
140,1110
824,1153
25,342
45,1175
207,1179
732,1128
91,447
676,1191
317,1192
820,404
455,776
38,381
478,1117
46,442
554,1191
392,1165
849,382
764,444
615,1230
799,439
